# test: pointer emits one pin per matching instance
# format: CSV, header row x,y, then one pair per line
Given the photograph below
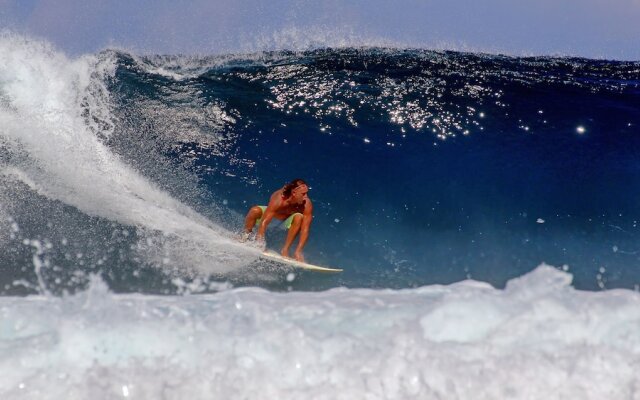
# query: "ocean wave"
x,y
57,117
425,166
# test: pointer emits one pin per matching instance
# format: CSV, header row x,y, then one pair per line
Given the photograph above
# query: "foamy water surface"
x,y
537,338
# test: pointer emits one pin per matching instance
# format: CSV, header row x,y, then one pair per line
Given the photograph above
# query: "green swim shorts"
x,y
286,224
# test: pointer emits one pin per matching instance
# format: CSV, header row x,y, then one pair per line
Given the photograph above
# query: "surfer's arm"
x,y
269,213
266,220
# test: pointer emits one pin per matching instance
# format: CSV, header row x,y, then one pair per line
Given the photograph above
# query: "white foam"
x,y
54,112
537,339
176,67
296,38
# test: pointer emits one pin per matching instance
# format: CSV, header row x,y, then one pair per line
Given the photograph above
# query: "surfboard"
x,y
273,256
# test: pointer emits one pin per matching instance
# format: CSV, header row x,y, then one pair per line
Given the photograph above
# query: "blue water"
x,y
124,181
424,167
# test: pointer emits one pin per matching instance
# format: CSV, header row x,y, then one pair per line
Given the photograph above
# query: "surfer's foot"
x,y
244,236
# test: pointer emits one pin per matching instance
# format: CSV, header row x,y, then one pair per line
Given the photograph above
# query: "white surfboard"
x,y
273,256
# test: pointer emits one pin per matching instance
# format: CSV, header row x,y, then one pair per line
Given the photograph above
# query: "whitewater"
x,y
54,117
124,179
537,338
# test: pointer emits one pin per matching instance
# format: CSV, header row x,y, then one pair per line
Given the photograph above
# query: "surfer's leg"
x,y
294,221
252,218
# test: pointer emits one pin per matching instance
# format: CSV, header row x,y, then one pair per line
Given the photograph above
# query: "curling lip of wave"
x,y
57,111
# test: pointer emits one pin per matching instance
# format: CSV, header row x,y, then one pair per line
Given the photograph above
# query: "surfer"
x,y
291,205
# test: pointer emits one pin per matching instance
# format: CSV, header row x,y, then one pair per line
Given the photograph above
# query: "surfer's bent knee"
x,y
295,219
257,211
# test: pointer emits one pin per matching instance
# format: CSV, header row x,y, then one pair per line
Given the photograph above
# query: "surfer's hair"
x,y
288,188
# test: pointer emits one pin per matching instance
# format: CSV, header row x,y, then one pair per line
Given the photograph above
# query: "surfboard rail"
x,y
273,256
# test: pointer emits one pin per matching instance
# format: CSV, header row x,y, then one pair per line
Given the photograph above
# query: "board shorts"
x,y
286,224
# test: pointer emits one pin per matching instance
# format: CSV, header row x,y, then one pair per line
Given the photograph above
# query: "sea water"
x,y
483,208
537,338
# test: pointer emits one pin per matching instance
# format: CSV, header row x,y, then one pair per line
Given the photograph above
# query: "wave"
x,y
56,120
425,166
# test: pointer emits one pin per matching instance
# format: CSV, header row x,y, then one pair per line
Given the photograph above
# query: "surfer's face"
x,y
299,194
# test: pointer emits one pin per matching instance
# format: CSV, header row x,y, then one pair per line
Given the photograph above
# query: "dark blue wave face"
x,y
424,167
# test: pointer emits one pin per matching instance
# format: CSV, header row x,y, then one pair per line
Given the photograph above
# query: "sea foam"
x,y
54,119
537,338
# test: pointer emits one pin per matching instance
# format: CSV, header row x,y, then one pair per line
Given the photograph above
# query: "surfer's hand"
x,y
298,256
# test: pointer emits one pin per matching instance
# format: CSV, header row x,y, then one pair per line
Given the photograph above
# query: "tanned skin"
x,y
281,207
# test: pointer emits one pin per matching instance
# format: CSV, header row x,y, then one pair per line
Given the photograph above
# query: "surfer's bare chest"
x,y
285,210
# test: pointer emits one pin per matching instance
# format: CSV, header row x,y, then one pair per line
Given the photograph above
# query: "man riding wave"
x,y
291,205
